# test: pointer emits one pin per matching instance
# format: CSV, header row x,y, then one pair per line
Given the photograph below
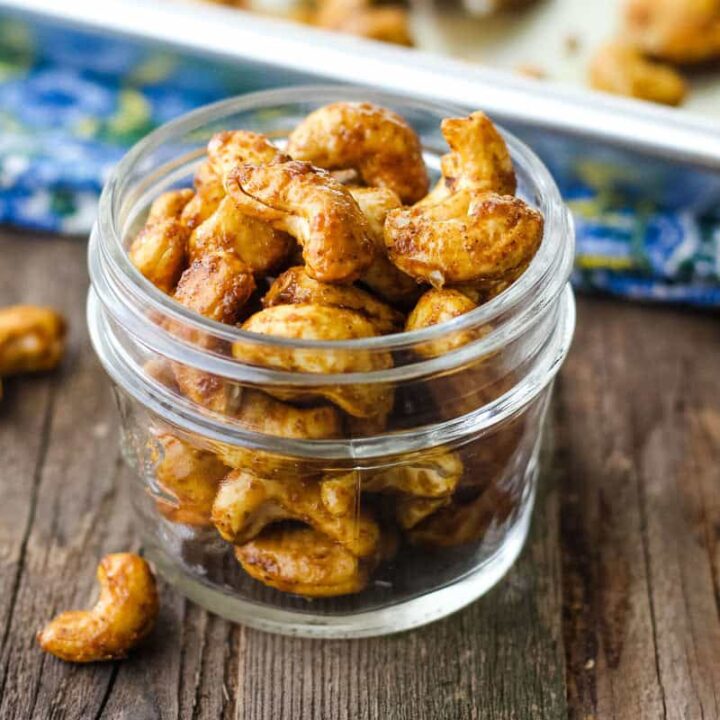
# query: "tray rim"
x,y
233,35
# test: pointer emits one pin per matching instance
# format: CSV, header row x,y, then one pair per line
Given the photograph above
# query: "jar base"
x,y
395,618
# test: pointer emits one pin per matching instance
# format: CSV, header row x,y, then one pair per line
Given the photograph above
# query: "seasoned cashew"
x,y
264,414
621,69
432,475
169,205
32,338
439,306
123,615
192,477
209,192
245,504
159,250
478,161
679,31
314,208
440,245
226,149
340,494
382,277
295,287
411,510
373,140
217,286
316,322
359,17
302,561
255,243
482,291
460,523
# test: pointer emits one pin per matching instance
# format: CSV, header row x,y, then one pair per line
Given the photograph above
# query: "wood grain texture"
x,y
611,612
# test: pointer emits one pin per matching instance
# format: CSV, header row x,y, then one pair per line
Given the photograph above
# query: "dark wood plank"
x,y
614,601
640,408
500,658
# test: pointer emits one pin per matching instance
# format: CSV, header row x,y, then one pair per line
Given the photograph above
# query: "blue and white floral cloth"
x,y
72,103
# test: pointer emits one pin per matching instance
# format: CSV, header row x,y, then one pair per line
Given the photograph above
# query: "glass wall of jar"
x,y
381,482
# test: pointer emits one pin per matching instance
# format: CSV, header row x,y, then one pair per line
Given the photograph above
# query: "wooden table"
x,y
612,611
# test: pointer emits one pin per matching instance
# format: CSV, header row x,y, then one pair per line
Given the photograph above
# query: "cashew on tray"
x,y
294,259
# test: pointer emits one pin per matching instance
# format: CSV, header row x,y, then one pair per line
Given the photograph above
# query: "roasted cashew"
x,y
382,277
159,249
316,322
430,475
439,306
192,477
245,504
460,523
478,161
441,245
32,338
411,510
123,615
314,208
679,31
621,69
254,242
373,140
296,287
225,150
217,286
264,414
358,17
302,561
209,192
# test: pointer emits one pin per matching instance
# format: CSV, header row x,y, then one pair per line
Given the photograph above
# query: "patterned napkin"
x,y
72,103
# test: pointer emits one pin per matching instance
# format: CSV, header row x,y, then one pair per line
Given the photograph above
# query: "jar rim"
x,y
448,433
542,281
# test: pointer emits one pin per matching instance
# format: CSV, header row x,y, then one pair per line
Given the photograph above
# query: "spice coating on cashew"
x,y
313,207
160,249
679,31
382,277
225,150
441,246
296,287
32,339
302,561
317,322
192,477
375,141
438,306
264,414
246,504
254,242
217,286
478,161
621,69
123,615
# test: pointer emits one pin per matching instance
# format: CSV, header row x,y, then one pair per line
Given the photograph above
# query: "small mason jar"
x,y
390,487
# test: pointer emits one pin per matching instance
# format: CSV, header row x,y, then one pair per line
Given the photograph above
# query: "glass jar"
x,y
392,480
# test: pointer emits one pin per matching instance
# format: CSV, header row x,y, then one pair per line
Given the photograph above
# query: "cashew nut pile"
x,y
335,237
657,36
32,339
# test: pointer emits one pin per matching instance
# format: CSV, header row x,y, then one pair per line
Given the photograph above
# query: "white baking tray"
x,y
671,156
